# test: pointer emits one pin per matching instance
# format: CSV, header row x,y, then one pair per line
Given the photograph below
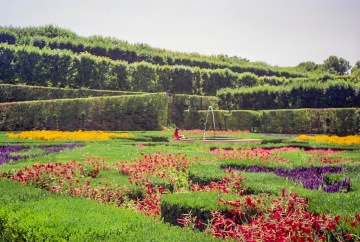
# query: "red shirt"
x,y
176,134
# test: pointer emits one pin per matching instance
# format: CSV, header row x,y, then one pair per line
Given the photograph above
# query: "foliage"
x,y
57,38
331,94
18,93
337,65
248,79
30,65
178,103
130,112
291,121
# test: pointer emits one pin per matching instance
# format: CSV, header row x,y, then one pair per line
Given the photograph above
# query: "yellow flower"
x,y
66,135
347,140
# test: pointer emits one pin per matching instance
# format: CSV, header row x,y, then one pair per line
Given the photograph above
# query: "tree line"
x,y
57,38
30,65
330,94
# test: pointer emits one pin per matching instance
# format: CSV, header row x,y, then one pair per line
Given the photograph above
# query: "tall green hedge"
x,y
179,103
340,121
56,38
57,68
18,93
330,94
30,65
130,112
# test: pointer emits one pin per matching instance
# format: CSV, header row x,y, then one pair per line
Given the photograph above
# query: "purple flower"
x,y
310,178
7,156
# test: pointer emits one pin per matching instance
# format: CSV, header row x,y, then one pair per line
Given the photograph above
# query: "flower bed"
x,y
312,178
15,152
348,140
65,135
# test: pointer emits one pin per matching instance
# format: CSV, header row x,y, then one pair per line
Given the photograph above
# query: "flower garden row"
x,y
16,152
66,135
156,184
101,135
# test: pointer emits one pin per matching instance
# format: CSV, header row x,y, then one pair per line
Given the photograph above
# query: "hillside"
x,y
56,57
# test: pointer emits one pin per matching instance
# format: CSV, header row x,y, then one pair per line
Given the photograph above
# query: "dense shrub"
x,y
30,65
57,38
341,121
178,103
18,93
130,112
331,94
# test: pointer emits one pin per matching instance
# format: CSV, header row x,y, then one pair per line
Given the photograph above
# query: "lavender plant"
x,y
11,152
310,178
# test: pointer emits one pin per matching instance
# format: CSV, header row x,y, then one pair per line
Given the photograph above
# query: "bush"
x,y
29,214
130,112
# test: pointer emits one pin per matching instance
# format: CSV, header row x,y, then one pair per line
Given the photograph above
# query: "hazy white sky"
x,y
278,32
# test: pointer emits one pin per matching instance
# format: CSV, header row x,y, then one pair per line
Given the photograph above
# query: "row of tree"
x,y
331,94
333,64
30,65
56,38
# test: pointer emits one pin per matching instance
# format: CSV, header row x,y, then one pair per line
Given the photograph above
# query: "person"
x,y
177,135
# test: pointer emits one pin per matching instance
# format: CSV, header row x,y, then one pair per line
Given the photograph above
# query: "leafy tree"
x,y
336,65
30,66
248,79
7,58
182,80
119,76
84,66
7,36
57,67
143,77
356,67
308,66
164,74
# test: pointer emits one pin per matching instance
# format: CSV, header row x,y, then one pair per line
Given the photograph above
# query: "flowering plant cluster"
x,y
67,135
16,152
279,219
275,155
259,154
312,178
348,140
326,157
194,132
228,184
71,178
171,166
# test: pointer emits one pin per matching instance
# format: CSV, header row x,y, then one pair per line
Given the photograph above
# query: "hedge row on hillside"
x,y
56,38
340,121
331,94
31,66
18,93
130,112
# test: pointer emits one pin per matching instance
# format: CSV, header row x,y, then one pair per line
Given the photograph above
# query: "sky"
x,y
278,32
